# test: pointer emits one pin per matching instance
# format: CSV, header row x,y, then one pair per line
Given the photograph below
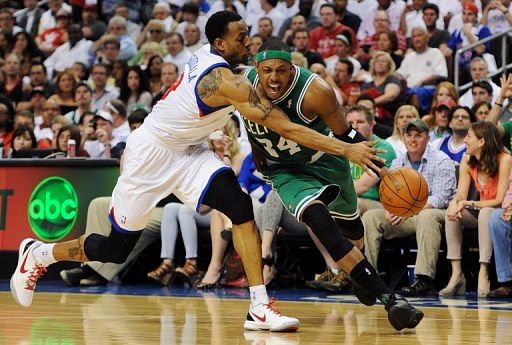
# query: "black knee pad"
x,y
353,229
115,248
226,196
318,218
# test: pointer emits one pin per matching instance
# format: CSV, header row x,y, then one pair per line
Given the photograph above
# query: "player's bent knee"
x,y
226,196
317,217
115,248
353,229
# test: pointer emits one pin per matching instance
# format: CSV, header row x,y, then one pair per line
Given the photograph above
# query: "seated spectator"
x,y
322,72
440,128
481,91
50,39
117,27
7,22
169,74
23,138
298,21
146,52
497,15
403,115
35,104
48,19
422,69
460,120
57,123
444,90
265,29
80,71
385,87
70,132
135,88
29,20
342,50
379,130
83,99
154,74
12,80
411,17
132,29
342,76
437,38
162,11
108,52
121,127
346,17
386,41
306,11
481,110
301,44
64,97
478,71
86,127
439,172
425,66
76,49
154,31
106,146
367,186
488,165
470,33
177,217
38,79
381,24
176,52
500,230
27,50
190,14
92,28
102,93
24,118
322,38
43,124
192,38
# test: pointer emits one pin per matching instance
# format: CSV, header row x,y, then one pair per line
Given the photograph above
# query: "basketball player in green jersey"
x,y
316,187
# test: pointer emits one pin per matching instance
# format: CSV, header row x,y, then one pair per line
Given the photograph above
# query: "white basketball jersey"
x,y
181,119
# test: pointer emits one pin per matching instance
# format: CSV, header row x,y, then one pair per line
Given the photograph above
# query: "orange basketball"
x,y
403,192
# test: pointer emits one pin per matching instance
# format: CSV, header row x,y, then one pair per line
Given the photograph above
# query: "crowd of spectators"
x,y
89,69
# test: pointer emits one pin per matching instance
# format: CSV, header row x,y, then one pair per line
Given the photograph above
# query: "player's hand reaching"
x,y
365,155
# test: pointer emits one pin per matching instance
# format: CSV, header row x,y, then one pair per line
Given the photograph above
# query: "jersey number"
x,y
282,145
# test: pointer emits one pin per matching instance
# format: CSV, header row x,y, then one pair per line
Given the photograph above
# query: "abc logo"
x,y
52,209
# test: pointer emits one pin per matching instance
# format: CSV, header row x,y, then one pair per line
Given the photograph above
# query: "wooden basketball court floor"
x,y
148,314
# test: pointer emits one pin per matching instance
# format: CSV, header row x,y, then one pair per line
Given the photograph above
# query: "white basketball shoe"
x,y
266,317
28,271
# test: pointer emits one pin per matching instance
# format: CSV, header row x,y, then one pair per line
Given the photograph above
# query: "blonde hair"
x,y
412,109
451,90
229,130
299,59
391,63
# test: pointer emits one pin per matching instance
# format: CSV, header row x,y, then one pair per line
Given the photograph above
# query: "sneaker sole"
x,y
258,326
21,251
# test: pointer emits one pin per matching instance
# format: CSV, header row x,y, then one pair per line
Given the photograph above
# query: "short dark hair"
x,y
190,7
82,84
272,3
22,129
478,105
472,116
484,84
432,7
296,31
348,63
177,34
38,64
217,24
138,116
275,44
365,97
328,5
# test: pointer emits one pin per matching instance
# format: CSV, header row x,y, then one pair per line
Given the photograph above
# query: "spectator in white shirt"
x,y
132,29
177,54
190,12
479,71
48,18
162,11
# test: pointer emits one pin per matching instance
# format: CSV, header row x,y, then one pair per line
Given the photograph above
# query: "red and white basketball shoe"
x,y
266,317
28,271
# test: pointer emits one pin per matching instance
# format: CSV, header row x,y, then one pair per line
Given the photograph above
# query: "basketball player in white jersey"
x,y
168,154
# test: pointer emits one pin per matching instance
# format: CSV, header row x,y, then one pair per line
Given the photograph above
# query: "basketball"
x,y
403,192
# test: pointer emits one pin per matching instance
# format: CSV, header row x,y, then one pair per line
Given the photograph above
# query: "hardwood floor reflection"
x,y
70,318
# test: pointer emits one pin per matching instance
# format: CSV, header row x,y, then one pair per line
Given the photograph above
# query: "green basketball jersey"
x,y
276,148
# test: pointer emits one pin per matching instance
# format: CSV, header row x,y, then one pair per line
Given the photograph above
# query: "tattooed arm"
x,y
221,87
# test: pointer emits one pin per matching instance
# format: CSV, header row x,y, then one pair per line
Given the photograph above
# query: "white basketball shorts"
x,y
151,171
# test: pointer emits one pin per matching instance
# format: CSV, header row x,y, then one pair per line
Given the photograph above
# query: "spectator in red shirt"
x,y
322,39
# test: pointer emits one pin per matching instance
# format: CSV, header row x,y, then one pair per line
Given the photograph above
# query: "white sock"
x,y
335,270
258,294
44,254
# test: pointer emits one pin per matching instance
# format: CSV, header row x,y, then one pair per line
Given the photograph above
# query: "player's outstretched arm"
x,y
239,92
